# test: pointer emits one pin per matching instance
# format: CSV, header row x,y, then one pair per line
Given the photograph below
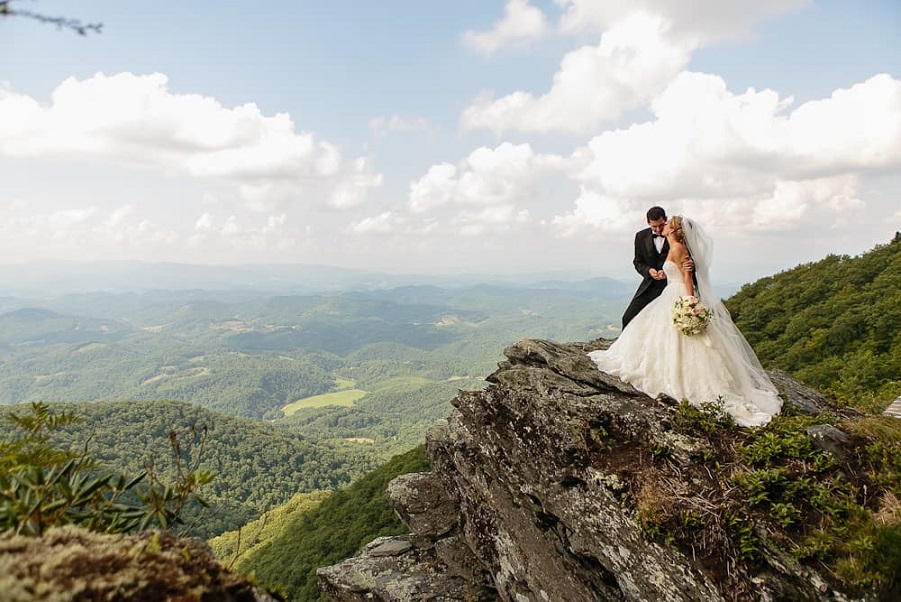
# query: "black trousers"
x,y
640,301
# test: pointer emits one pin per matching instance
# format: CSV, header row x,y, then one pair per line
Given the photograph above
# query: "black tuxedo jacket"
x,y
646,257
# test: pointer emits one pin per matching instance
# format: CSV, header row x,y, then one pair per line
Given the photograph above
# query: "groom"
x,y
651,248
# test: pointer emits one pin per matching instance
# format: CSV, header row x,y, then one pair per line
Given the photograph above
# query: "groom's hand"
x,y
688,265
657,274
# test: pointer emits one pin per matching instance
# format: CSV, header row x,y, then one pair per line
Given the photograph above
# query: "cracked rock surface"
x,y
526,503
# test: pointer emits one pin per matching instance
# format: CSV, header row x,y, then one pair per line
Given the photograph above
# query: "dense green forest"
x,y
333,530
835,324
136,365
251,355
258,465
234,546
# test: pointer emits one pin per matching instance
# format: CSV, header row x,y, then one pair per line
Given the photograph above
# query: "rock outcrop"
x,y
539,485
69,563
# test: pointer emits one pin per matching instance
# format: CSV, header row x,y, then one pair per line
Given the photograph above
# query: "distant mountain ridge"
x,y
250,353
61,277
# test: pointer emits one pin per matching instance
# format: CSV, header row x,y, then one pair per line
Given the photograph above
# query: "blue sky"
x,y
468,136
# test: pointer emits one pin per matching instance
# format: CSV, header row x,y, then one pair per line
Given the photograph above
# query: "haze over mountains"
x,y
61,277
366,361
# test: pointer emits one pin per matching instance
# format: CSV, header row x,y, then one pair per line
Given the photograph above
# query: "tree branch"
x,y
61,22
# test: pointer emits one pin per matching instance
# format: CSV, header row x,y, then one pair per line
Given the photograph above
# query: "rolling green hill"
x,y
835,324
234,546
258,465
330,532
215,354
250,355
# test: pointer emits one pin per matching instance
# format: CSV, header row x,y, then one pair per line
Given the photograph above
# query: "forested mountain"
x,y
258,465
250,355
403,353
233,546
834,324
331,531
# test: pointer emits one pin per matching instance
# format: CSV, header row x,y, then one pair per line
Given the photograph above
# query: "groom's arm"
x,y
639,261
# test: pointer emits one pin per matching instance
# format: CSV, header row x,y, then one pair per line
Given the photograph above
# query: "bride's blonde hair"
x,y
675,224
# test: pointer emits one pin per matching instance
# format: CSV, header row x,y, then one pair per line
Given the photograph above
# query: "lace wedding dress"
x,y
654,357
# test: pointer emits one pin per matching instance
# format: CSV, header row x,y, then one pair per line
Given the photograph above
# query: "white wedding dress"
x,y
654,357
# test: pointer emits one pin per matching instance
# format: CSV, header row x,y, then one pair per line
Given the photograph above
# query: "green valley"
x,y
297,393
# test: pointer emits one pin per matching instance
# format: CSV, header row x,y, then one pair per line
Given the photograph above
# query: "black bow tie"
x,y
659,236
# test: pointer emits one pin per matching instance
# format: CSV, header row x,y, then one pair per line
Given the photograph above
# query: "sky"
x,y
441,137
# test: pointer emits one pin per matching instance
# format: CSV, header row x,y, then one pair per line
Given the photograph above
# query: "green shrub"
x,y
42,486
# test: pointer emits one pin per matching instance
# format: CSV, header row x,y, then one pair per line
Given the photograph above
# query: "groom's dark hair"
x,y
655,213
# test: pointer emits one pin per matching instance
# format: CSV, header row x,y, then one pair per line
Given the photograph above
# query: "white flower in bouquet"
x,y
690,316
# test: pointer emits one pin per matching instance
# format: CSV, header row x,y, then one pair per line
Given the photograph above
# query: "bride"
x,y
654,357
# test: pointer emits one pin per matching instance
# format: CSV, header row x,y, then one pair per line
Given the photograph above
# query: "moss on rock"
x,y
70,563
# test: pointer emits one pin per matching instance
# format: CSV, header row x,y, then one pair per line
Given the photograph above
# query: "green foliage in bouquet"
x,y
690,316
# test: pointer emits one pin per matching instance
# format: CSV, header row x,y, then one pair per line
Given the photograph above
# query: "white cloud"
x,y
88,229
707,144
135,120
68,217
355,187
634,61
700,20
91,233
119,215
383,223
435,188
521,22
856,128
789,202
483,193
707,141
491,220
394,222
503,175
204,223
644,45
593,212
234,235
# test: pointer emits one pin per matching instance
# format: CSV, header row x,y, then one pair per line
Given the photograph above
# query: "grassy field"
x,y
345,397
342,383
403,382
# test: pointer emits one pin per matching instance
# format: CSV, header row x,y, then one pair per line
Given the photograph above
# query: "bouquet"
x,y
690,316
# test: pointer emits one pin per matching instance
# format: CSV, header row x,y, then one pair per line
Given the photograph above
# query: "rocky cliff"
x,y
560,483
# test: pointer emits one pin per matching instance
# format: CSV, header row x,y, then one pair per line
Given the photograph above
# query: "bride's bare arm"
x,y
682,259
689,281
